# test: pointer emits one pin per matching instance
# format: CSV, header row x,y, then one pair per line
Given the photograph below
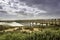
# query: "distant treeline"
x,y
37,20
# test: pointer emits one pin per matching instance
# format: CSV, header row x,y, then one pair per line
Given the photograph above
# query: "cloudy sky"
x,y
29,9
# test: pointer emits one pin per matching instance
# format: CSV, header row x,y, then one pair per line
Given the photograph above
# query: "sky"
x,y
29,9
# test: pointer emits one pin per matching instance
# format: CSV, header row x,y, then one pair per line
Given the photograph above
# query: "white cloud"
x,y
13,6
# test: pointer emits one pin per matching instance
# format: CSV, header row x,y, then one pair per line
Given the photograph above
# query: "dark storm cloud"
x,y
30,8
43,2
49,5
0,7
25,14
3,11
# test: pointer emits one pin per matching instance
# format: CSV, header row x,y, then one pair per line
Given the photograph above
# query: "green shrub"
x,y
44,35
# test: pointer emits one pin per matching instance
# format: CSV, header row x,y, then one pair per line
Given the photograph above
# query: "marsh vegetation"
x,y
31,32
